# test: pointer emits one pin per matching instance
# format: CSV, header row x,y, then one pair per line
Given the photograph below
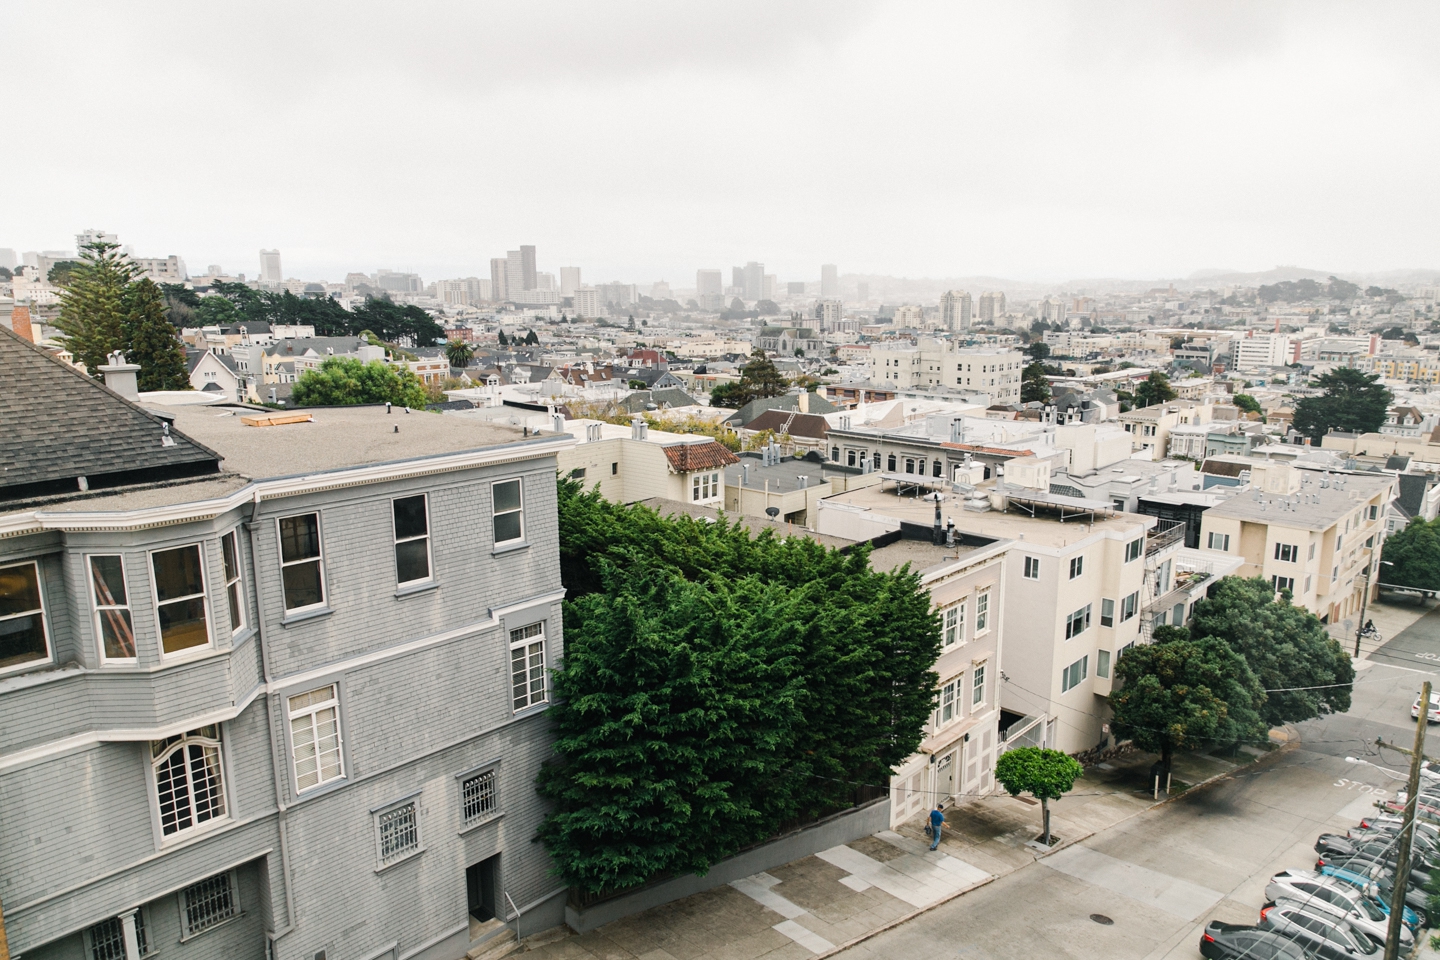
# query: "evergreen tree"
x,y
151,340
531,339
503,341
1354,402
1154,389
758,379
92,305
1034,388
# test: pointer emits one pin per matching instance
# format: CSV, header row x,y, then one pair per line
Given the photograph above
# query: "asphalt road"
x,y
1161,875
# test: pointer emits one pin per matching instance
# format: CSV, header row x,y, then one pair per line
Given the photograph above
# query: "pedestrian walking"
x,y
937,820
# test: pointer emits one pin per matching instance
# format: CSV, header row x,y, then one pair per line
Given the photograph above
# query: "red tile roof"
x,y
688,457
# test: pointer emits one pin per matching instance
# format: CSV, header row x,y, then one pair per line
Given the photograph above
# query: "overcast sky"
x,y
641,140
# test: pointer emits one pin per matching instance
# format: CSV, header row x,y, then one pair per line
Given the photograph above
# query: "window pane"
x,y
109,581
177,573
182,625
227,553
412,560
507,495
410,518
233,592
507,527
19,590
174,790
299,537
117,632
205,782
302,585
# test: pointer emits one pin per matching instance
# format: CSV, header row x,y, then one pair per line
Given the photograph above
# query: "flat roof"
x,y
783,476
336,438
920,554
991,523
1317,508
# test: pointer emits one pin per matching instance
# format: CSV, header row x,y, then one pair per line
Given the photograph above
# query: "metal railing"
x,y
1162,539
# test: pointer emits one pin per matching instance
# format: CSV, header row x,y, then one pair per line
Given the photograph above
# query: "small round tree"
x,y
1044,774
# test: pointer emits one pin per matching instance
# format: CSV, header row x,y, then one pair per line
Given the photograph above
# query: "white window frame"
x,y
44,620
1129,606
310,713
1107,612
1077,622
396,540
982,613
953,625
1134,549
1102,664
977,685
1287,552
232,892
1032,568
196,737
1212,538
1077,566
98,609
705,486
143,934
948,702
234,587
383,816
486,813
204,595
495,514
1068,681
525,641
1282,583
318,560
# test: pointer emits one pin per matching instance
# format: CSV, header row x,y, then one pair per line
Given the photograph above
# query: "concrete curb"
x,y
906,918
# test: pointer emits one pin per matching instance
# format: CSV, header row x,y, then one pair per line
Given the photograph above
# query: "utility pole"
x,y
4,943
1364,602
1407,830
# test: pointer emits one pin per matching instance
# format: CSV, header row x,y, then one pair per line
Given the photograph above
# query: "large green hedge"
x,y
717,685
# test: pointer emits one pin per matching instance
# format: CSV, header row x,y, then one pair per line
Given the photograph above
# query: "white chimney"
x,y
120,376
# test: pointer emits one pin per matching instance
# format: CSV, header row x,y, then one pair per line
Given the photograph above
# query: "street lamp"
x,y
1385,770
1365,602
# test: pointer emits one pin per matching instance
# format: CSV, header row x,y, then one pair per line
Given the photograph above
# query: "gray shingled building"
x,y
268,691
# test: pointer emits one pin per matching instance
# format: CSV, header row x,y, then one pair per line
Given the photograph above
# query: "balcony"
x,y
1166,534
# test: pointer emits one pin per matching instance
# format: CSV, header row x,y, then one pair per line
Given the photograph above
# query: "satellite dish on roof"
x,y
772,512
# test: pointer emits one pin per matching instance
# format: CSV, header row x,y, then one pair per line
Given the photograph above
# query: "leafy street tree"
x,y
458,352
1178,694
717,685
344,381
217,311
1285,646
1034,388
1039,350
1415,553
758,379
92,305
1044,774
1154,389
151,340
1246,403
1353,402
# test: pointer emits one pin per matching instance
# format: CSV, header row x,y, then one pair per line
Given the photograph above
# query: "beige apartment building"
x,y
636,463
940,363
1150,427
1308,531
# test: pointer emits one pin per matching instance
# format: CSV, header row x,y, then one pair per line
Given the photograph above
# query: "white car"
x,y
1434,708
1319,893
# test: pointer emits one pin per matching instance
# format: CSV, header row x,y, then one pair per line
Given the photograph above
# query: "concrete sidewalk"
x,y
1390,619
817,905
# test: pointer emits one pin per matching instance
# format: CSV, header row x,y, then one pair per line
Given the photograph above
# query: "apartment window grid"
x,y
209,902
982,613
188,779
1283,583
507,511
1218,541
527,665
977,685
180,598
1312,551
411,516
1129,605
114,621
234,593
479,797
948,709
1287,552
1077,622
302,562
1102,664
1077,567
107,938
955,625
315,737
1133,549
1071,676
23,638
1032,568
399,832
1107,613
704,486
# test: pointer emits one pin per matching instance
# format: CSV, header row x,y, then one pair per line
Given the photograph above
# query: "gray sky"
x,y
641,140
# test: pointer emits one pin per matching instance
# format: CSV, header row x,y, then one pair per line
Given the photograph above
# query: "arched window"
x,y
835,454
891,461
850,458
877,461
910,465
938,469
188,780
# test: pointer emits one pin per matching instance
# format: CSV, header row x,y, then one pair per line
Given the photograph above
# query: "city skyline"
x,y
1046,149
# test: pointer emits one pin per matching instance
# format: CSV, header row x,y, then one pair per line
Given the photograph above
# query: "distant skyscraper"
x,y
737,279
8,259
499,285
955,311
754,276
992,306
514,273
862,291
829,313
527,267
771,284
795,288
829,280
588,302
707,283
270,271
82,240
569,281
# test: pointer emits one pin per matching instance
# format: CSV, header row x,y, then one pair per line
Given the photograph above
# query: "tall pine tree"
x,y
92,305
150,339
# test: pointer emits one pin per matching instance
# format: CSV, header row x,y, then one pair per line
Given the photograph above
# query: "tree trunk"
x,y
1045,815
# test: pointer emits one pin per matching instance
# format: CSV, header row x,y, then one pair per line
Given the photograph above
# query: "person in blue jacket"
x,y
937,820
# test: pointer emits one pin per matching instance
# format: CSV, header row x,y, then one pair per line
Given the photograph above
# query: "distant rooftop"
x,y
1315,507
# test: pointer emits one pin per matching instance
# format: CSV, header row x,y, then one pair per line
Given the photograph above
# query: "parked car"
x,y
1366,861
1316,933
1422,846
1392,822
1434,716
1372,881
1233,941
1315,891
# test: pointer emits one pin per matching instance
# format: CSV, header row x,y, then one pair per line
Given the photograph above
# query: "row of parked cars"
x,y
1340,910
